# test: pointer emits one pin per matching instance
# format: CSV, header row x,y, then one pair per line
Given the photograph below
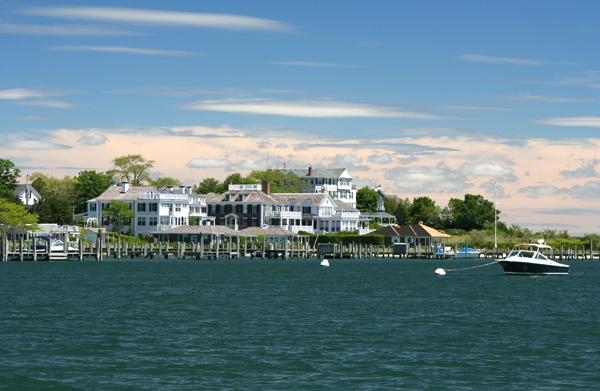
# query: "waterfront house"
x,y
253,205
154,209
413,235
27,194
336,182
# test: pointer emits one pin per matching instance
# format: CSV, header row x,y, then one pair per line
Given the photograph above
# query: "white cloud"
x,y
542,191
34,144
22,93
589,190
380,158
499,60
591,122
161,17
53,104
547,99
60,30
313,64
488,170
425,179
93,139
588,170
126,49
306,109
344,160
208,163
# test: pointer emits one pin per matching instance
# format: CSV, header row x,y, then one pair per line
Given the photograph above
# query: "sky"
x,y
425,98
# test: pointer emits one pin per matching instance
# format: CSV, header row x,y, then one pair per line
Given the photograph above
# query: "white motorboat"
x,y
532,258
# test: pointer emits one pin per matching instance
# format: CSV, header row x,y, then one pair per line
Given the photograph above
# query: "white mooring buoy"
x,y
440,272
325,262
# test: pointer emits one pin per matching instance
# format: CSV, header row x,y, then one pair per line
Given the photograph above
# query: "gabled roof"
x,y
20,189
415,230
248,197
339,204
113,193
268,231
297,199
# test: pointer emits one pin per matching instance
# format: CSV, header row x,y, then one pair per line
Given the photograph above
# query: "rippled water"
x,y
281,325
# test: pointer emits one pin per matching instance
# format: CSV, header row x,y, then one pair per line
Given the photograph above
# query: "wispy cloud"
x,y
547,99
34,144
588,170
482,58
208,163
313,64
29,97
543,191
22,93
50,103
307,109
589,122
126,50
584,79
61,30
161,17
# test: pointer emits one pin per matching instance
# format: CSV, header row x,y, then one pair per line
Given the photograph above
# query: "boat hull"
x,y
516,267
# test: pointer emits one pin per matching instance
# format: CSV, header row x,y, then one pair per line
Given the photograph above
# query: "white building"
x,y
153,209
27,194
244,206
314,213
336,182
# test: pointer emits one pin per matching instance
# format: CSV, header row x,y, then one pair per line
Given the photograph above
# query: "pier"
x,y
213,242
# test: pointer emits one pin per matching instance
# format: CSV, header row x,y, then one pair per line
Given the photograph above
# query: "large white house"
x,y
154,209
336,182
244,206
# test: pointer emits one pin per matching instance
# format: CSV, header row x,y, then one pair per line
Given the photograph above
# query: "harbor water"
x,y
294,325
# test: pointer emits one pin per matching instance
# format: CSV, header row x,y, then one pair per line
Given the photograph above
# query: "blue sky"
x,y
425,98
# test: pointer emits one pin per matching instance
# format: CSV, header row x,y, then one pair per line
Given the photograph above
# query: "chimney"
x,y
266,187
124,187
182,189
309,171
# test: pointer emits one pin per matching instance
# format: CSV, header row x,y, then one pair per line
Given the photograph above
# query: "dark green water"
x,y
282,325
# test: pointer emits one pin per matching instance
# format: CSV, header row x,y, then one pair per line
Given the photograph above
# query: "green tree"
x,y
135,169
424,209
89,184
164,182
119,214
209,185
366,199
237,179
9,175
280,181
402,211
474,212
57,204
15,215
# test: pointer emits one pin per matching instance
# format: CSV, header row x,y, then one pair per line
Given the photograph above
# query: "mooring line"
x,y
471,267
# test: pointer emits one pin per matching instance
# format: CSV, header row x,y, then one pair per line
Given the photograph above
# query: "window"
x,y
164,220
153,207
153,221
92,207
141,221
141,207
177,207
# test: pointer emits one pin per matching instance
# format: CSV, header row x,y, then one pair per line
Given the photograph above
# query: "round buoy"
x,y
325,263
440,272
